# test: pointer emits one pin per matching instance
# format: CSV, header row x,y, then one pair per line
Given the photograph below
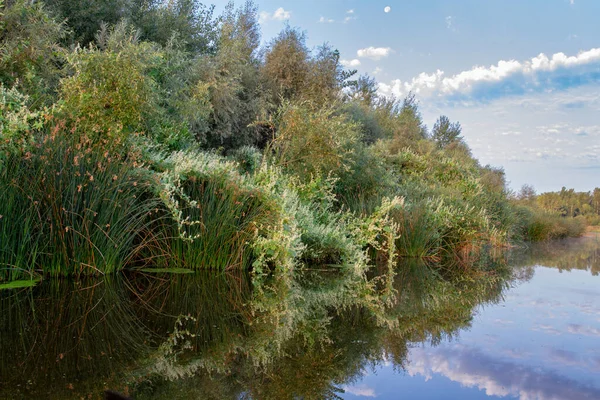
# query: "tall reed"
x,y
73,209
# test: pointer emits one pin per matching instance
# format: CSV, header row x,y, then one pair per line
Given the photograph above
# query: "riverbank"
x,y
128,151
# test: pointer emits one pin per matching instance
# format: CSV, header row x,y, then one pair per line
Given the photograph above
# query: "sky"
x,y
521,76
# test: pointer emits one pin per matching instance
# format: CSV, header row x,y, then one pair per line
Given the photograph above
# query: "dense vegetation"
x,y
556,215
148,134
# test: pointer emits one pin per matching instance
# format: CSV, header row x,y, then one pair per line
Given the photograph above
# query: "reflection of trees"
x,y
225,336
565,255
333,339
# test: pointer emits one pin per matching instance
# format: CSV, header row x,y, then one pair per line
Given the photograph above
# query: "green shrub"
x,y
218,215
109,92
540,225
17,121
313,143
31,56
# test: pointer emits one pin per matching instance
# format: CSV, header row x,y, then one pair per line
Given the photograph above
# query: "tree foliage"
x,y
445,132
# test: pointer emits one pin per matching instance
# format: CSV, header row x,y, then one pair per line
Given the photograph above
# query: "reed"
x,y
71,209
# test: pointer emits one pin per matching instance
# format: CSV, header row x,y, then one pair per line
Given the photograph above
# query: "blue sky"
x,y
522,77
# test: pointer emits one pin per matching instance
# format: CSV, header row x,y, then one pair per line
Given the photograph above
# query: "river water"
x,y
534,334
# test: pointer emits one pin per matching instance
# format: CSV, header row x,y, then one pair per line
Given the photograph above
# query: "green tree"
x,y
286,64
445,132
85,17
364,89
189,21
30,53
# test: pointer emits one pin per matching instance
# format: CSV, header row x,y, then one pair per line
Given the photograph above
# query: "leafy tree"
x,y
364,89
444,132
236,90
411,122
189,21
326,77
314,143
85,17
286,64
110,92
527,193
30,54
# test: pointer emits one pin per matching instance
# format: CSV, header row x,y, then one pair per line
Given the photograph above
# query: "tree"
x,y
527,193
444,132
85,17
30,54
235,86
286,64
410,119
364,89
189,21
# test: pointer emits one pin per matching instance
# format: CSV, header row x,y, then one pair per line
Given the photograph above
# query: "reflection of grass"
x,y
167,271
63,334
305,334
310,335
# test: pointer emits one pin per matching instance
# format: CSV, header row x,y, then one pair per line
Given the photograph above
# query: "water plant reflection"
x,y
306,335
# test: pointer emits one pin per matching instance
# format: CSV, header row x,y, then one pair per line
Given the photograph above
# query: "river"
x,y
409,333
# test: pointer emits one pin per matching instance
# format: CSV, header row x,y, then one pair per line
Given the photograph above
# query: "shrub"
x,y
31,56
313,143
17,121
110,93
218,215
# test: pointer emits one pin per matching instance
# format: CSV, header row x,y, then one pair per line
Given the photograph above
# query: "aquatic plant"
x,y
72,209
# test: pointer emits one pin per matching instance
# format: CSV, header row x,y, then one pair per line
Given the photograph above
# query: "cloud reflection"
x,y
472,368
360,390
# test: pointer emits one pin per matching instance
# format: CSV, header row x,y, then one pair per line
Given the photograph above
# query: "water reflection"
x,y
473,368
310,335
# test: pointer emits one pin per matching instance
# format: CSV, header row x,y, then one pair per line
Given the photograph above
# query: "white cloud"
x,y
583,330
350,63
350,11
377,71
279,15
387,9
507,77
374,53
450,23
348,19
324,20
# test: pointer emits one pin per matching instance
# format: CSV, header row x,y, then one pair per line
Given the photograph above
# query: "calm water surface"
x,y
317,335
541,342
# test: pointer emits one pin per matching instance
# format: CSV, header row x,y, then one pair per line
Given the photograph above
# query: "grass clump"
x,y
72,209
217,214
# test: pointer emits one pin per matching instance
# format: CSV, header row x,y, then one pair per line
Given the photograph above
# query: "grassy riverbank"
x,y
164,137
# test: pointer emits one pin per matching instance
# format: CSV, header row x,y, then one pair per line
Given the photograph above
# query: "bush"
x,y
313,143
219,216
539,225
110,93
31,56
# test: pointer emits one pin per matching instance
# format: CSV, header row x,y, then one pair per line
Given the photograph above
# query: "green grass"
x,y
216,214
70,210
